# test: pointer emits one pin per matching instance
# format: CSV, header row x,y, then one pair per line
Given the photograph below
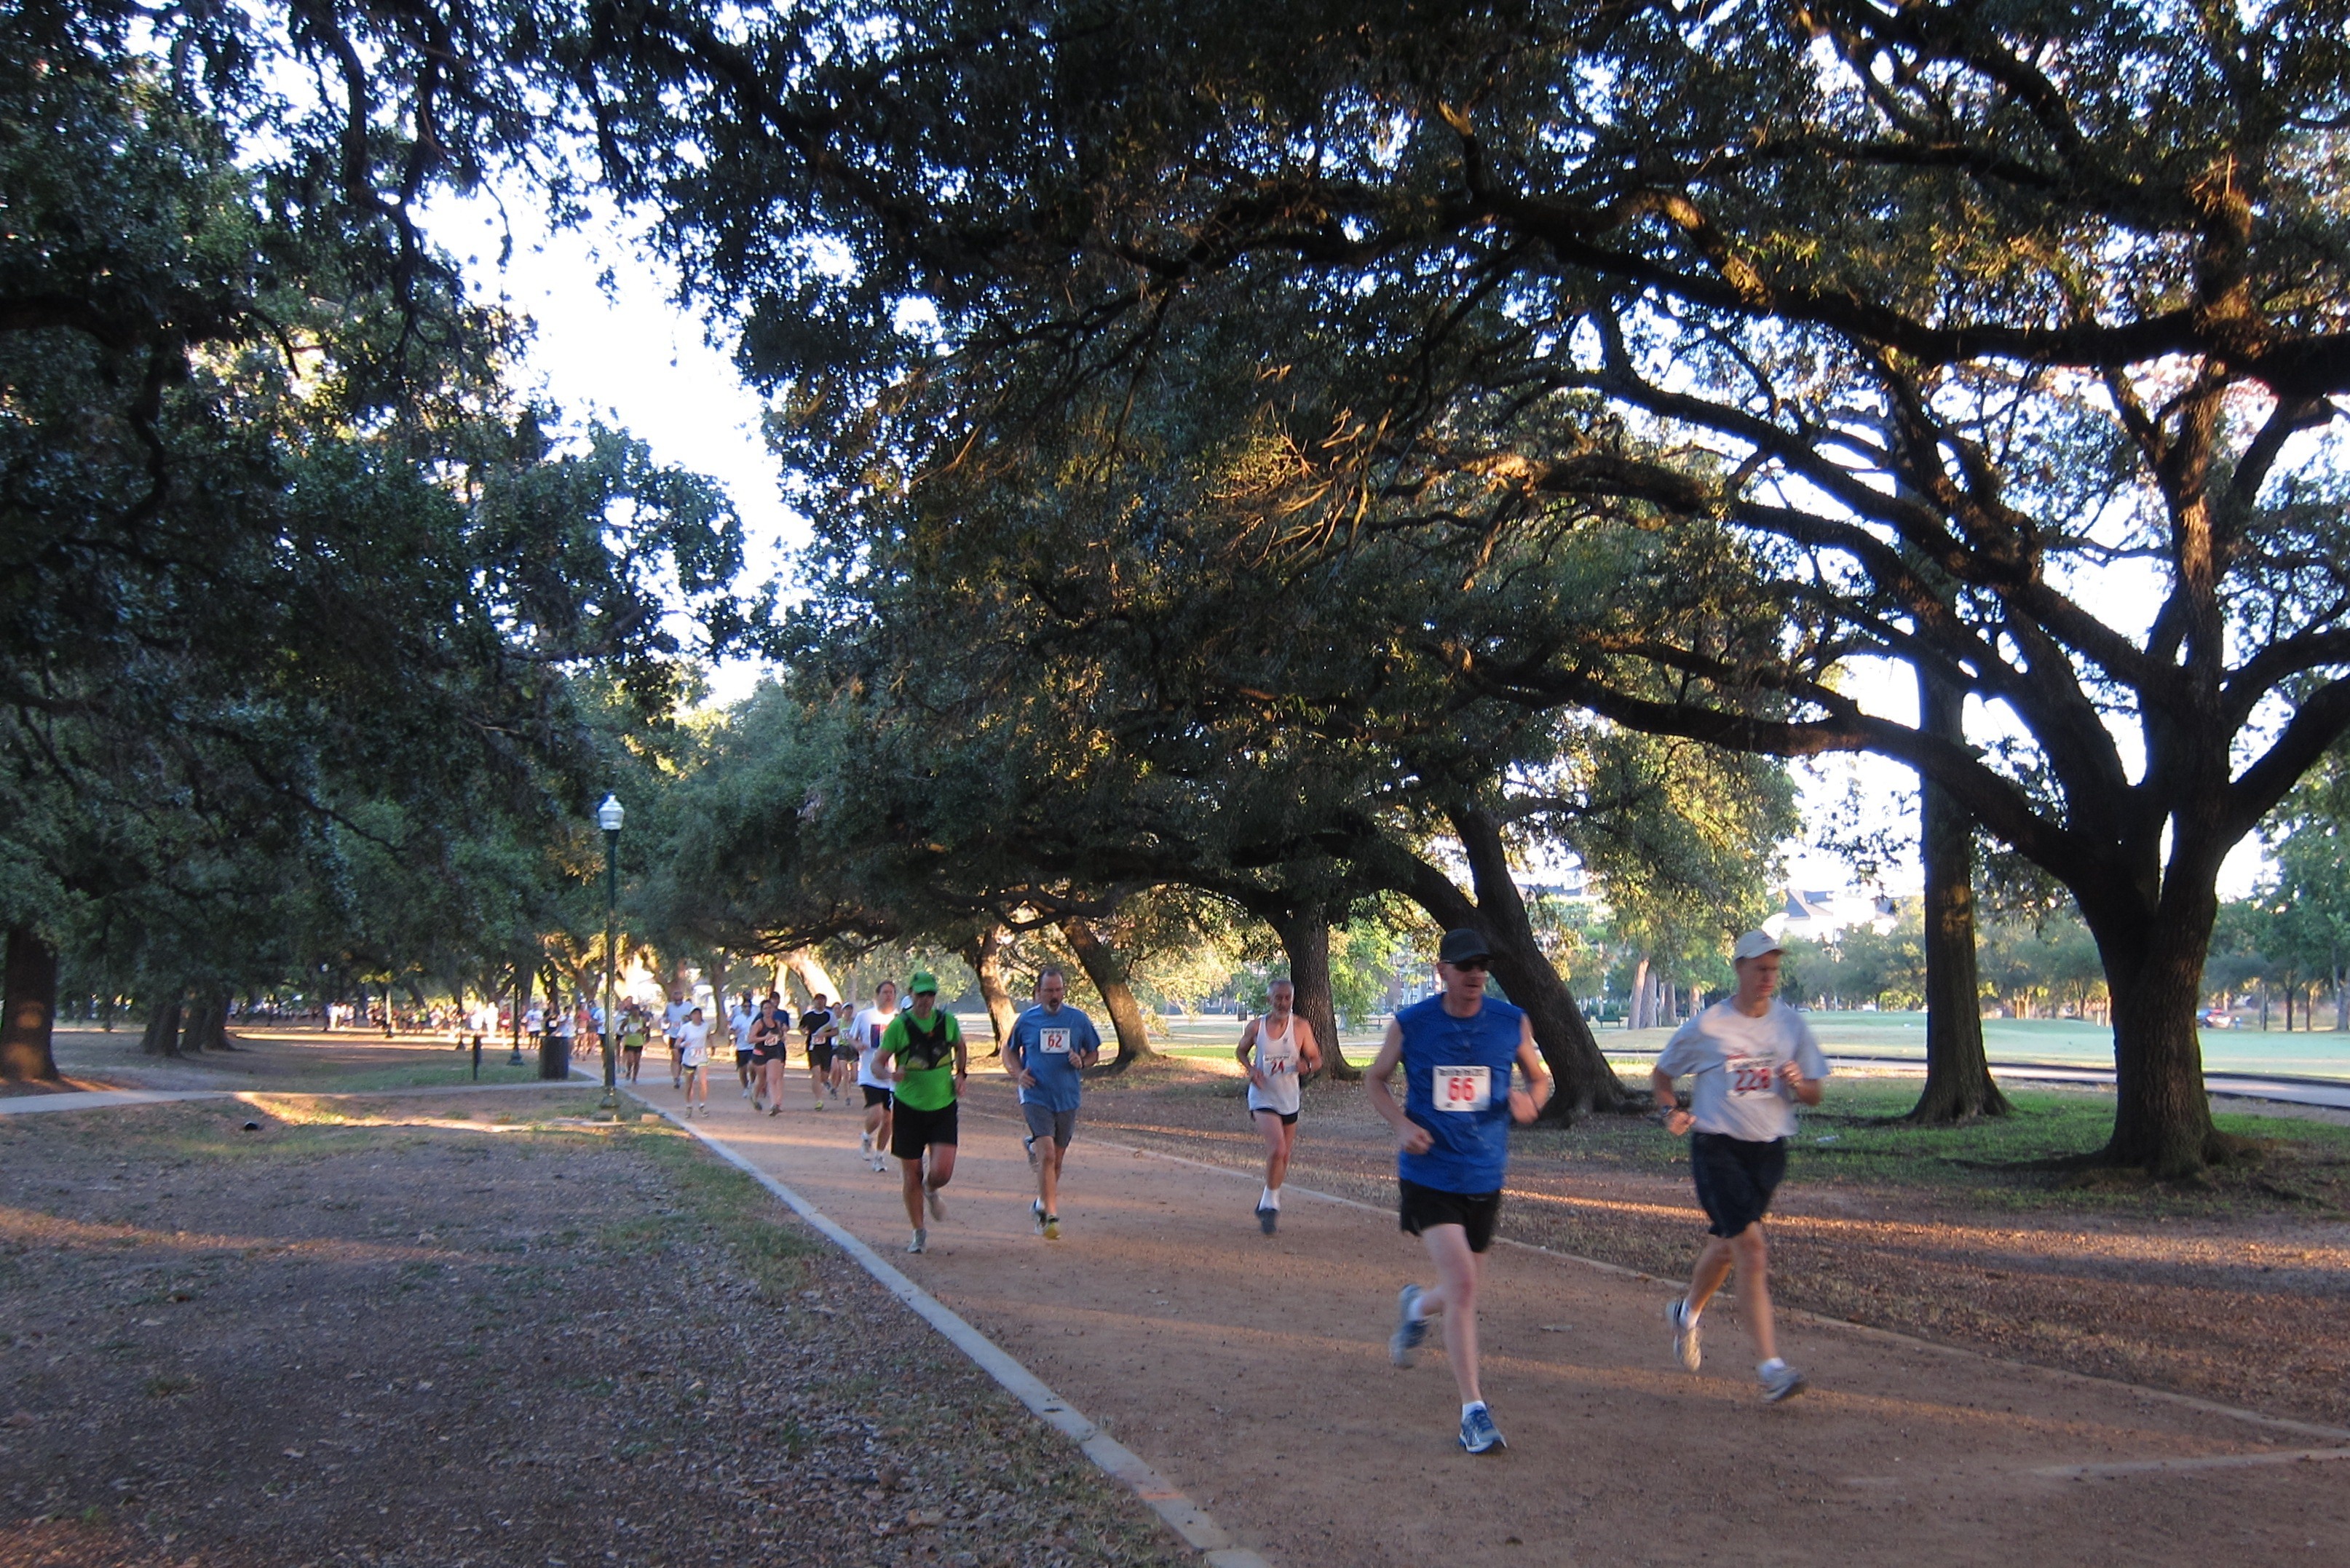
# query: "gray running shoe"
x,y
1478,1433
938,1204
1411,1332
1782,1382
921,1237
1685,1349
1029,1143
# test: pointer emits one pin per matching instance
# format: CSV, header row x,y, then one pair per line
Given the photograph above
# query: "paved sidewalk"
x,y
1252,1372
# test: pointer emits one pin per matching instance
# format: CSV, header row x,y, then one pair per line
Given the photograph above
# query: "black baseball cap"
x,y
1462,945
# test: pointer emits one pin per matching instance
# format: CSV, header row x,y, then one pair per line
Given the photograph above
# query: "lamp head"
x,y
609,815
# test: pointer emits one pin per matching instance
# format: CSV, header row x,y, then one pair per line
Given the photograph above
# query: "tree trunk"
x,y
985,953
207,1026
1304,932
162,1037
803,965
1583,1081
1959,1084
27,1027
1108,971
1638,1014
2154,964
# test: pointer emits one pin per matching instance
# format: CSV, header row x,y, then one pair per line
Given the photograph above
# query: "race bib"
x,y
1053,1042
1461,1089
1752,1075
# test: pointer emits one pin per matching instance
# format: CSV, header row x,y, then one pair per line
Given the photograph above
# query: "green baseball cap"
x,y
923,980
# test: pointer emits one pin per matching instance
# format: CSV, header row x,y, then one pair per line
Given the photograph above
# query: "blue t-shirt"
x,y
1049,1045
1456,1074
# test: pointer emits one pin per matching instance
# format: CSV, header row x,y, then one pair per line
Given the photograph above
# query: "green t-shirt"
x,y
927,1059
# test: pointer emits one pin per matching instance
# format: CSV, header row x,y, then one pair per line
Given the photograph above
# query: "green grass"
x,y
1852,1139
451,1071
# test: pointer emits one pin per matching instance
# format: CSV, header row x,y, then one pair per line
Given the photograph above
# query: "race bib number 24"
x,y
1461,1089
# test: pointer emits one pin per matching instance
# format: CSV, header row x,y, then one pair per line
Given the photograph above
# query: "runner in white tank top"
x,y
1274,1050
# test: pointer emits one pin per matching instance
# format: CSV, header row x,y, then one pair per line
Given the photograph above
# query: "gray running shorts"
x,y
1044,1121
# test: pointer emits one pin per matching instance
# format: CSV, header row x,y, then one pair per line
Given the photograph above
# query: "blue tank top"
x,y
1456,1073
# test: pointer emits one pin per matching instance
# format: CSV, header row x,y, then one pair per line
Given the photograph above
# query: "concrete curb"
x,y
1112,1458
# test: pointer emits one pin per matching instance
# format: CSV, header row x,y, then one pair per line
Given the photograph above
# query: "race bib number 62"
x,y
1053,1042
1461,1089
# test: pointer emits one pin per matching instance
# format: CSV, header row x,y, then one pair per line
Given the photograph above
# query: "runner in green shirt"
x,y
918,1044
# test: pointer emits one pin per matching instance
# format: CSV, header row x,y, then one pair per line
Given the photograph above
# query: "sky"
x,y
627,354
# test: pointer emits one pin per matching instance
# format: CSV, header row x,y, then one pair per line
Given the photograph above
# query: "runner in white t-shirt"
x,y
673,1021
1751,1060
693,1058
1274,1051
865,1037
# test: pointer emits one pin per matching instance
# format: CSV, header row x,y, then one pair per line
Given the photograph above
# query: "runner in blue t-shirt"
x,y
1050,1045
1453,1135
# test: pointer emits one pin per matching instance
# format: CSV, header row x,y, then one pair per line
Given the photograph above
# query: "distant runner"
x,y
694,1057
738,1024
1274,1051
919,1043
817,1024
633,1027
1452,1131
865,1033
1050,1045
672,1025
1752,1058
771,1040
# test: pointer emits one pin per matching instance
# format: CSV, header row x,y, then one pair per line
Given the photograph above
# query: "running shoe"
x,y
1685,1349
1478,1433
920,1239
1410,1330
938,1205
819,1105
1051,1227
1029,1143
1266,1219
1782,1382
775,1110
865,1143
746,1094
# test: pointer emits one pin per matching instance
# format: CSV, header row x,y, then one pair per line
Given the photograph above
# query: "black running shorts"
x,y
820,1056
913,1131
874,1097
1474,1212
1735,1177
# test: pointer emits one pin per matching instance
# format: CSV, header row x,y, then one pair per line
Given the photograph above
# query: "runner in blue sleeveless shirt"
x,y
1452,1134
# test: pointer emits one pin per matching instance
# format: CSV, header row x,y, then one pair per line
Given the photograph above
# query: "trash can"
x,y
553,1055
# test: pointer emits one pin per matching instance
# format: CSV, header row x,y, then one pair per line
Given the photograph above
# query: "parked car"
x,y
2219,1019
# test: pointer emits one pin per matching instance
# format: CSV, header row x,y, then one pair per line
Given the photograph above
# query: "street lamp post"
x,y
609,816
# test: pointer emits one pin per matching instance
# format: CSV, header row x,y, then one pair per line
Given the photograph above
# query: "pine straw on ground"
x,y
387,1338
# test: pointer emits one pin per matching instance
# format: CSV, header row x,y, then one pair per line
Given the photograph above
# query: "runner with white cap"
x,y
1453,1132
1752,1059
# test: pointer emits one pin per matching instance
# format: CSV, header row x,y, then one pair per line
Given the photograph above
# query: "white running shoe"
x,y
1686,1348
1781,1382
865,1143
1411,1329
922,1239
938,1205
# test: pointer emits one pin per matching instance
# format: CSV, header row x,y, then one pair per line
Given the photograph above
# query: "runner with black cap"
x,y
919,1042
1457,1049
1752,1059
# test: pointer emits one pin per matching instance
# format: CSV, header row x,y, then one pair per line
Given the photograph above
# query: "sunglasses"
x,y
1471,966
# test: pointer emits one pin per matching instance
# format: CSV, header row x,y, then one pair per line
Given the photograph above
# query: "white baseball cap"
x,y
1755,944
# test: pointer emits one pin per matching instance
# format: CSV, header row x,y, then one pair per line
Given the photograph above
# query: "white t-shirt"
x,y
673,1017
864,1037
693,1044
740,1021
1277,1060
1734,1060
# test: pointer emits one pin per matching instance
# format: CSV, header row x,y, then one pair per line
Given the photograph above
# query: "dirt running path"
x,y
1252,1372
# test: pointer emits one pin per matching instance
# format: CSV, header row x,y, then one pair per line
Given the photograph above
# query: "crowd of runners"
x,y
1470,1068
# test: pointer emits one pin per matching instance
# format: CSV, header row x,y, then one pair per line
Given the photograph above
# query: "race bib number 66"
x,y
1053,1042
1461,1089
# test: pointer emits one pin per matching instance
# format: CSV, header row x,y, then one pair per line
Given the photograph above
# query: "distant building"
x,y
1823,915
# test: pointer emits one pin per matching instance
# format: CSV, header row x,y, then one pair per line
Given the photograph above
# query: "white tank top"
x,y
1276,1058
